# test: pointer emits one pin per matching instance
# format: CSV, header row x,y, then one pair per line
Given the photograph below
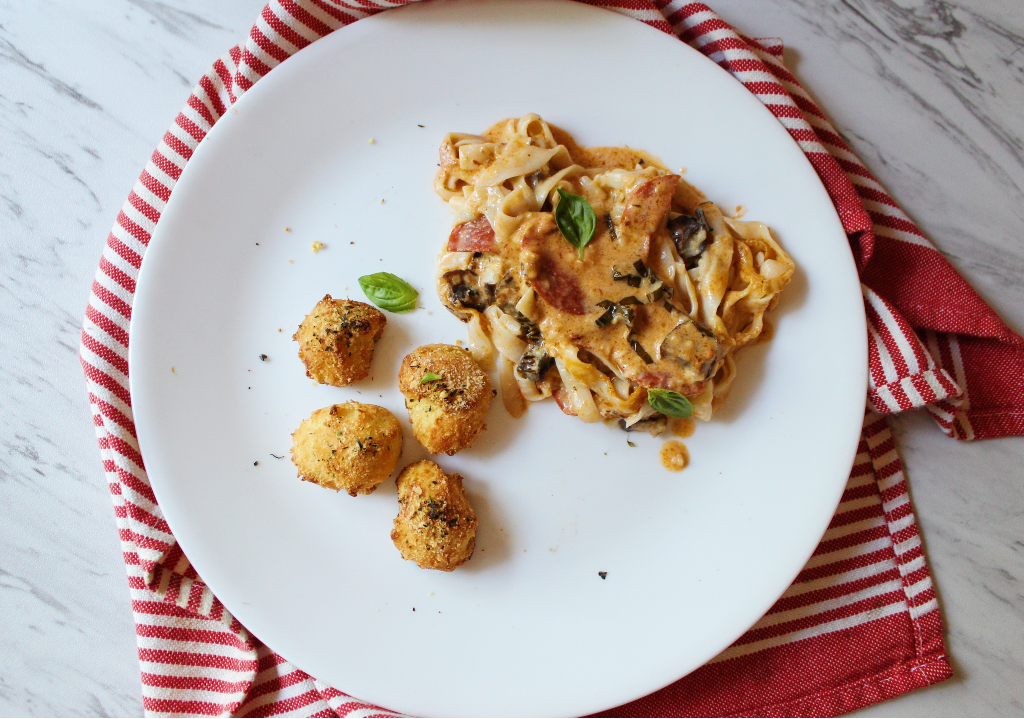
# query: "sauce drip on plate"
x,y
682,427
674,456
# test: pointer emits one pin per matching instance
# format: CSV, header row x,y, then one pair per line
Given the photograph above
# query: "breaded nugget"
x,y
447,395
435,526
336,340
349,446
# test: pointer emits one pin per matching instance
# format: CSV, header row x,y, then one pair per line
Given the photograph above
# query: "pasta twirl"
x,y
660,296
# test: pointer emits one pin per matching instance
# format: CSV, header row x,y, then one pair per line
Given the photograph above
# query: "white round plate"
x,y
527,626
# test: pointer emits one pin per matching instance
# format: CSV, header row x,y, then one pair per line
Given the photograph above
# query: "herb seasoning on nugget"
x,y
435,526
337,338
447,395
352,447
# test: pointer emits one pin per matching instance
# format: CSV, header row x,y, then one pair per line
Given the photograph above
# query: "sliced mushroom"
x,y
507,293
529,332
690,236
693,348
535,362
653,425
464,290
474,236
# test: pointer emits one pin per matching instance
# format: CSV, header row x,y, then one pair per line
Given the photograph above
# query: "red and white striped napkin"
x,y
859,625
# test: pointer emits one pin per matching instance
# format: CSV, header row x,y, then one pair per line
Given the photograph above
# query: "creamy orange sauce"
x,y
682,427
631,212
568,306
643,305
674,456
609,158
606,158
544,250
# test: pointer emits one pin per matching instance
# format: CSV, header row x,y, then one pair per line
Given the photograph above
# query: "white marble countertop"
x,y
929,93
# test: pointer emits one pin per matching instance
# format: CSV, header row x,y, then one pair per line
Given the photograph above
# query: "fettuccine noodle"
x,y
662,296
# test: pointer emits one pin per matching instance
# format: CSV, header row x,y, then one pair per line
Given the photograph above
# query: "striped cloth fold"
x,y
859,625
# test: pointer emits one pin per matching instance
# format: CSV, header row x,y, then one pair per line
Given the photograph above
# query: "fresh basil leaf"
x,y
668,402
575,219
430,377
389,292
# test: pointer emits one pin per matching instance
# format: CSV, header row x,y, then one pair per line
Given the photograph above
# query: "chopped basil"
x,y
668,402
639,349
575,219
631,280
610,223
389,292
430,377
617,312
535,362
657,290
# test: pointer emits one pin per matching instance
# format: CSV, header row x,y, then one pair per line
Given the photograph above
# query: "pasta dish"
x,y
597,277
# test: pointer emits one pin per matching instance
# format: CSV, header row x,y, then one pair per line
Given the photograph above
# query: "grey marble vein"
x,y
887,72
86,92
928,92
175,20
10,54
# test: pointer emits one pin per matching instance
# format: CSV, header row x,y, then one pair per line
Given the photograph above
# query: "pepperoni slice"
x,y
559,288
648,202
669,380
473,236
551,261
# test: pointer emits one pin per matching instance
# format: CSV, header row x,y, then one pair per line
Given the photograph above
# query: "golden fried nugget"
x,y
336,340
349,446
435,526
447,395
